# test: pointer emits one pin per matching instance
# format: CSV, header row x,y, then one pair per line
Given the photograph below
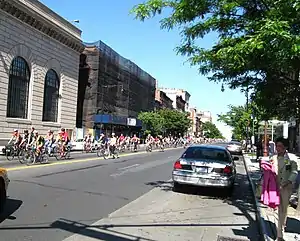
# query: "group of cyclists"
x,y
59,145
32,140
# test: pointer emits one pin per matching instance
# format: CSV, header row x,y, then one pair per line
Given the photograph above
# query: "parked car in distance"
x,y
234,147
3,188
206,166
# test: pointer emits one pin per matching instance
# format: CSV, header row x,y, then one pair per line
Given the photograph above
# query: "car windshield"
x,y
206,153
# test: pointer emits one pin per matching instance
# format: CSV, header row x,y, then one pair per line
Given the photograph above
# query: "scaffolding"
x,y
122,88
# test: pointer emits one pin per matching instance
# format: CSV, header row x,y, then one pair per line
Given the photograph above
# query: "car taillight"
x,y
227,170
177,165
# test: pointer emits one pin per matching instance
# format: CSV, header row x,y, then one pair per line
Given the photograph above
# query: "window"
x,y
18,89
206,153
51,96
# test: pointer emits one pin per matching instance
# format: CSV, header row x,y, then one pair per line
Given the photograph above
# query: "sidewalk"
x,y
266,216
164,215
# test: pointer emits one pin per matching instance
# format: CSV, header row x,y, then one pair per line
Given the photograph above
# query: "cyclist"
x,y
113,145
135,140
149,141
16,139
87,141
49,141
65,138
39,142
103,141
25,139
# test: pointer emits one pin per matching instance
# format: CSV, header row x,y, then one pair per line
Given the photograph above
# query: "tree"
x,y
211,131
153,122
175,122
238,118
258,43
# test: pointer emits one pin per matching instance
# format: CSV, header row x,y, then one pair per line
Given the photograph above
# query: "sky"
x,y
150,47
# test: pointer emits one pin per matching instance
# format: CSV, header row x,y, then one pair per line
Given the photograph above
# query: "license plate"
x,y
201,169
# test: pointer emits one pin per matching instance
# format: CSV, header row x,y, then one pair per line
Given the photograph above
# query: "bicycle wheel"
x,y
32,159
22,156
44,158
105,153
10,154
68,153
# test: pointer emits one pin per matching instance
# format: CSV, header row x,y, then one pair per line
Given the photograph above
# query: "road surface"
x,y
54,202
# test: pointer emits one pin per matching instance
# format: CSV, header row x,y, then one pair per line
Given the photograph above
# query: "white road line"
x,y
124,168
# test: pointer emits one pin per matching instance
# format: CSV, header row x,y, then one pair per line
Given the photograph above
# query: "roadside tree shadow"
x,y
100,232
11,206
163,185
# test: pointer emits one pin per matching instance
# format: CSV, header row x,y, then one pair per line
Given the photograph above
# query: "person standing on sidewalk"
x,y
287,172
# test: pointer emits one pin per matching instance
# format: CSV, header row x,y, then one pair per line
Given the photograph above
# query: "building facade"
x,y
117,90
39,59
195,128
162,101
172,93
205,116
180,103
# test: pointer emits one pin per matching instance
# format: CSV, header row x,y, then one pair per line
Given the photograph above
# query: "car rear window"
x,y
206,153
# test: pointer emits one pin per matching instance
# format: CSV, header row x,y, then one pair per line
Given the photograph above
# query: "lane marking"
x,y
18,168
124,168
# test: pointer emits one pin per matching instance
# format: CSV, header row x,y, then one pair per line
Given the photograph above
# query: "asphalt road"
x,y
45,199
75,155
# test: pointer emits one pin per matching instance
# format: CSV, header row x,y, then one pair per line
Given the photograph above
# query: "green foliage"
x,y
239,117
175,122
153,122
258,43
211,131
165,121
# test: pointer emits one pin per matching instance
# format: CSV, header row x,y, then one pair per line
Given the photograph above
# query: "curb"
x,y
259,218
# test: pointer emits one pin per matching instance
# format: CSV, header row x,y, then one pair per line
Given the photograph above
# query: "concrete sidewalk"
x,y
164,215
268,217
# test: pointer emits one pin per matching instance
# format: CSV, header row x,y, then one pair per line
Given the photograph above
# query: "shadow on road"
x,y
241,198
12,205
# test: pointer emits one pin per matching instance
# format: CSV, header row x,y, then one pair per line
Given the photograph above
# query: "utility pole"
x,y
247,108
265,141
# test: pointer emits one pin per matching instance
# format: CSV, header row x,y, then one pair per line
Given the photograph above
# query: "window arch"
x,y
18,89
51,96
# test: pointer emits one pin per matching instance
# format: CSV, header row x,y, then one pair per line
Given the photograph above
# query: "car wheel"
x,y
2,195
177,187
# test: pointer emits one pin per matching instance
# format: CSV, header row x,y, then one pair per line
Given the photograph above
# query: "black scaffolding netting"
x,y
122,88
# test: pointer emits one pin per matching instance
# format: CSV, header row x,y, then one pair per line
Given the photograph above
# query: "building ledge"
x,y
51,124
44,20
19,121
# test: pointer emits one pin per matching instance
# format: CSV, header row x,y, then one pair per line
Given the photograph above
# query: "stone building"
x,y
39,64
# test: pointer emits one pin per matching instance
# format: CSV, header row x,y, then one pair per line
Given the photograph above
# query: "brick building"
x,y
119,90
39,59
173,94
162,100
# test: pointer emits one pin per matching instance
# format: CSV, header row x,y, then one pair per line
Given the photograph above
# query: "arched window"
x,y
18,89
51,96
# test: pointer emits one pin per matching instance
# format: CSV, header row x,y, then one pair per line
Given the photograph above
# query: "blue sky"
x,y
149,47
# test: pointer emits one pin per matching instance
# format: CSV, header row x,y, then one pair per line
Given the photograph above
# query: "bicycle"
x,y
35,157
11,152
62,152
102,151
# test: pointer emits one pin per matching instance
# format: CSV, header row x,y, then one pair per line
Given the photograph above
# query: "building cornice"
x,y
38,16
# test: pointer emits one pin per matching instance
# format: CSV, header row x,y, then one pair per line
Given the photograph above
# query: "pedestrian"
x,y
287,171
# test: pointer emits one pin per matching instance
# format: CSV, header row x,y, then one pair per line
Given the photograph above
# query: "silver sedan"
x,y
205,165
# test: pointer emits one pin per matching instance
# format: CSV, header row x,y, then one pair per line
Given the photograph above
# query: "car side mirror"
x,y
236,158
